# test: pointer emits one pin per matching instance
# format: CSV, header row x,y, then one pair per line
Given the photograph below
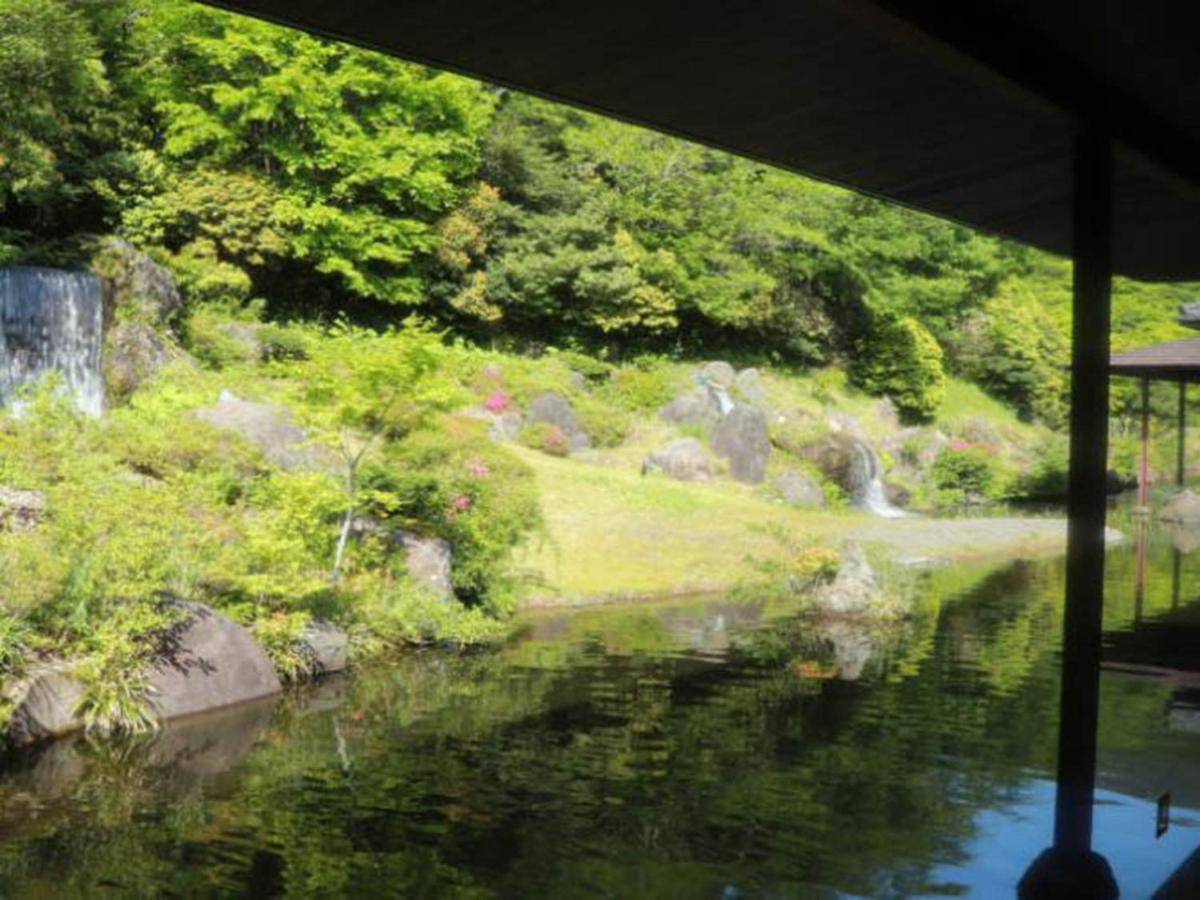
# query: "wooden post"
x,y
1070,868
1144,461
1086,495
1180,433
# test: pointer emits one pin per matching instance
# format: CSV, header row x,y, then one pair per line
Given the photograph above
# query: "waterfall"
x,y
868,491
51,320
721,396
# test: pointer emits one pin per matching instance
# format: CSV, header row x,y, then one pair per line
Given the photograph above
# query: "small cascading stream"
x,y
869,493
51,320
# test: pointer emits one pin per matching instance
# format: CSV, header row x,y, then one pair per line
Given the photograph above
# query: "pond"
x,y
702,748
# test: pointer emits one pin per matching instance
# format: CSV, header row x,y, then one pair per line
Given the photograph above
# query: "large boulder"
x,y
854,590
836,455
43,704
799,489
750,387
719,373
325,646
1183,508
269,427
684,459
20,508
741,437
428,561
133,353
554,409
209,662
696,406
136,287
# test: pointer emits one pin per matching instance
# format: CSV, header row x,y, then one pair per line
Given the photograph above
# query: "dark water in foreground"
x,y
703,749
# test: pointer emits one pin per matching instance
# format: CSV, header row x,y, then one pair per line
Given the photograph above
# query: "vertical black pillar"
x,y
1070,868
1086,495
1144,459
1180,433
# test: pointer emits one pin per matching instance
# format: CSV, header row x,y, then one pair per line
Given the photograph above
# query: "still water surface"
x,y
696,749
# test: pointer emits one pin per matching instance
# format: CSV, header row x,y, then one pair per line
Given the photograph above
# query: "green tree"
x,y
901,359
52,88
1012,348
338,159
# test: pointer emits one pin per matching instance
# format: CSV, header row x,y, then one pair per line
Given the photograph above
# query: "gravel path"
x,y
919,538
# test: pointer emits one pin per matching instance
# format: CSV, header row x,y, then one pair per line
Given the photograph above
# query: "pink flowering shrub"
x,y
497,402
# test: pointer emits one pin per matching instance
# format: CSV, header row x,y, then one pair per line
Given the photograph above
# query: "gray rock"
x,y
20,509
505,426
855,587
268,427
326,646
799,489
502,427
853,647
428,561
897,494
835,455
886,414
719,373
1183,508
44,703
135,284
554,409
750,387
741,437
684,459
245,336
840,422
210,663
696,406
133,353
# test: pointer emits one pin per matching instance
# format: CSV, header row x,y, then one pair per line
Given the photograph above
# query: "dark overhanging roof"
x,y
965,110
1169,361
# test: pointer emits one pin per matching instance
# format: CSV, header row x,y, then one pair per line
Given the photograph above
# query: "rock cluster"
x,y
20,509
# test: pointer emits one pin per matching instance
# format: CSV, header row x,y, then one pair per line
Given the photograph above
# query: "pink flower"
x,y
461,503
960,444
497,402
477,468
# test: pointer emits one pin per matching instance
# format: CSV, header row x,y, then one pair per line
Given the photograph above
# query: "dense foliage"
x,y
266,162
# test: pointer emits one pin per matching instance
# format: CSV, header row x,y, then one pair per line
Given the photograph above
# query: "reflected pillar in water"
x,y
1070,868
1180,433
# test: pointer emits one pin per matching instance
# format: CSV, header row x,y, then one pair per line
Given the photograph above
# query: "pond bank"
x,y
614,536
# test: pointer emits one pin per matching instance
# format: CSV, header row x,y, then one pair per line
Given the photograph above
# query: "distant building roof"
x,y
1169,361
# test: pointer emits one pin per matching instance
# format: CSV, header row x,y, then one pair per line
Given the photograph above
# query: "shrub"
x,y
452,482
637,389
547,438
901,359
964,474
278,342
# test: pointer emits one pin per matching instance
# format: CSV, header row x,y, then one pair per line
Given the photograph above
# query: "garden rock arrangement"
x,y
741,438
267,426
684,459
1183,509
208,662
20,510
854,590
554,410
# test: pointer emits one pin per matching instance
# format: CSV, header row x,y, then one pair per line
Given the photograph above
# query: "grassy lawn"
x,y
615,533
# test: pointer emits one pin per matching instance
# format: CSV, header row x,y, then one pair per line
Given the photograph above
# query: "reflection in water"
x,y
691,749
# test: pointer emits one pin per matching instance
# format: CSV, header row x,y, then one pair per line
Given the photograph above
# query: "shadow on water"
x,y
707,748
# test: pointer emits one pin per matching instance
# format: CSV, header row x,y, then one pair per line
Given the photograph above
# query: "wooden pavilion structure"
x,y
1074,127
1172,361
